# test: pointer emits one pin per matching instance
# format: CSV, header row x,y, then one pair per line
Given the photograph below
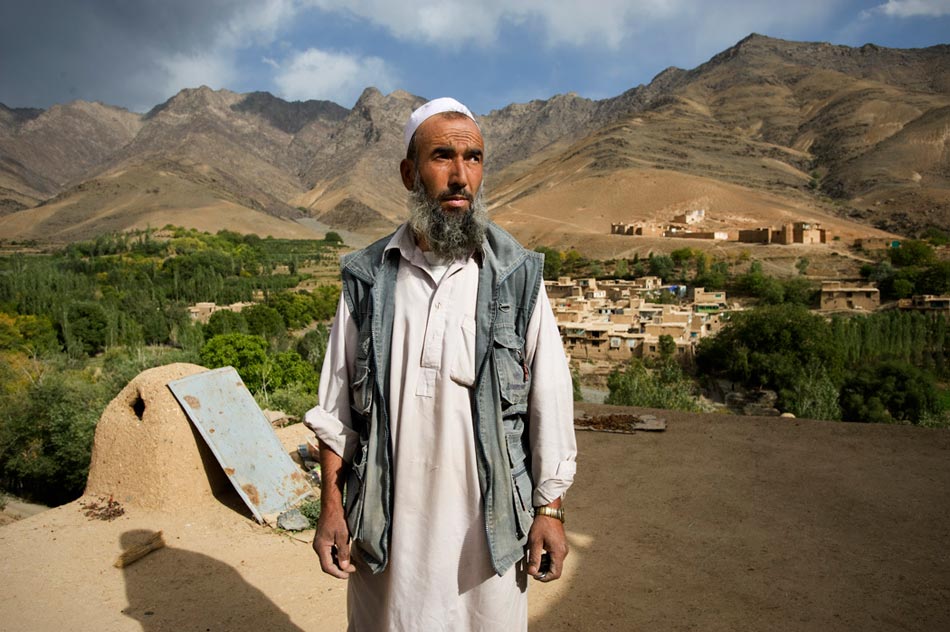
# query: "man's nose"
x,y
458,174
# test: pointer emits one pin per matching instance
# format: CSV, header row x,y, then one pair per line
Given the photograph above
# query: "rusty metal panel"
x,y
234,427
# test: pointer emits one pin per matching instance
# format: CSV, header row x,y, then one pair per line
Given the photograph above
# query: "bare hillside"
x,y
830,131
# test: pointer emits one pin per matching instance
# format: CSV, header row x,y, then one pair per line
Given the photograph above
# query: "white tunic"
x,y
439,575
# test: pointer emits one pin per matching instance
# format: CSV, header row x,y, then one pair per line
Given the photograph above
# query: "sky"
x,y
487,53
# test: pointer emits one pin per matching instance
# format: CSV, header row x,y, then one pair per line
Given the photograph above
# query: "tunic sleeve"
x,y
330,419
550,406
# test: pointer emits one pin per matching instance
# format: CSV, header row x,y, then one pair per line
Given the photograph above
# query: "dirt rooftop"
x,y
718,523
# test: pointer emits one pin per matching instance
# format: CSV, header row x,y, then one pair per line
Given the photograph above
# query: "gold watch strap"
x,y
551,512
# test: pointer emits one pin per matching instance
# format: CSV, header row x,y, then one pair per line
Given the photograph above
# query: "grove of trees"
x,y
77,324
882,367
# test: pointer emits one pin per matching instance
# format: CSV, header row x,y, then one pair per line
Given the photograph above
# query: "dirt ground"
x,y
718,523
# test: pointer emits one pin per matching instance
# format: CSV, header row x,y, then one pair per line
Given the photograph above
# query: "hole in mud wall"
x,y
138,407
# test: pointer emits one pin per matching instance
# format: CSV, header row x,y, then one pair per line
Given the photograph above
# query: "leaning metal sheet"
x,y
242,440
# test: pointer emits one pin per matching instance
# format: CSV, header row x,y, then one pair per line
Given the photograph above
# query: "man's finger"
x,y
343,553
554,572
557,554
535,550
325,553
328,553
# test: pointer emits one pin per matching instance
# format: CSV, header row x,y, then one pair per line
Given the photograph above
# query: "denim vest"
x,y
508,281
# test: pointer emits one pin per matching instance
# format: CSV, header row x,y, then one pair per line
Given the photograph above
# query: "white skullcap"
x,y
433,107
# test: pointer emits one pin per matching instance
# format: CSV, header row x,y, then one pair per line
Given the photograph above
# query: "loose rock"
x,y
292,520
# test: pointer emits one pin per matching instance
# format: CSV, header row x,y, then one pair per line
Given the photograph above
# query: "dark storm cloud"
x,y
110,51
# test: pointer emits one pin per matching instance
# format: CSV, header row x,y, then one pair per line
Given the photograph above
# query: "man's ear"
x,y
407,169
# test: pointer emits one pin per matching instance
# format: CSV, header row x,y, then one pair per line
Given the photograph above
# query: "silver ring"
x,y
542,575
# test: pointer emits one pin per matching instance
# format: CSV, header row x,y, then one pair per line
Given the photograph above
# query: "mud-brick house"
x,y
836,296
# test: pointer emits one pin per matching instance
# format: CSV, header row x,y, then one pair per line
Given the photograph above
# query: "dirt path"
x,y
15,509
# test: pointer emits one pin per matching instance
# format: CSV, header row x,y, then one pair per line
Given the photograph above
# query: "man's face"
x,y
448,159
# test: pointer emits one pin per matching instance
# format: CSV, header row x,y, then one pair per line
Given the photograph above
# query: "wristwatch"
x,y
551,512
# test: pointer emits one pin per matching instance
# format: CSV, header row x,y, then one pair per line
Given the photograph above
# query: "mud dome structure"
x,y
146,452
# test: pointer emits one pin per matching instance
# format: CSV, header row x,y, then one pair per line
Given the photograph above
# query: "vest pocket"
x,y
355,498
521,487
361,388
514,379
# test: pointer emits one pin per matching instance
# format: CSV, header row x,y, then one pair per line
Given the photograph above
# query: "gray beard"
x,y
450,236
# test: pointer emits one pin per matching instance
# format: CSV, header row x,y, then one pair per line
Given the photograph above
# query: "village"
x,y
687,226
615,320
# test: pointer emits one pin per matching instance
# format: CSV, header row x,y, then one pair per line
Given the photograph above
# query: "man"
x,y
446,407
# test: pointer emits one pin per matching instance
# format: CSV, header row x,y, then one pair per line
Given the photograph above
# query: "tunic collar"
x,y
404,241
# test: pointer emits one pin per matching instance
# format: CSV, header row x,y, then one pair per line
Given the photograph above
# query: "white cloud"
x,y
339,77
459,22
214,70
911,8
599,23
258,23
213,61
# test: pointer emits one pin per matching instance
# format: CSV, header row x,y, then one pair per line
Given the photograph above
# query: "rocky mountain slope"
x,y
765,131
855,133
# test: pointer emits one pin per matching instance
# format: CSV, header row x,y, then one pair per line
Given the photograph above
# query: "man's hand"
x,y
332,544
546,534
332,538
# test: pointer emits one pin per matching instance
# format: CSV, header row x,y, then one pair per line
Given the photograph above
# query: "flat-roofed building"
x,y
926,303
836,296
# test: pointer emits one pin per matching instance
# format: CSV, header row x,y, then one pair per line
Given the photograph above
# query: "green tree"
x,y
621,269
715,278
912,253
936,236
901,288
262,372
46,437
295,400
812,395
800,291
681,256
288,368
667,387
802,266
887,392
667,347
576,385
769,346
661,266
324,300
246,353
84,328
756,283
295,309
552,262
312,346
935,279
224,321
264,321
572,260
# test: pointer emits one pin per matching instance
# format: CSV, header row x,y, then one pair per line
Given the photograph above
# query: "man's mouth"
x,y
455,201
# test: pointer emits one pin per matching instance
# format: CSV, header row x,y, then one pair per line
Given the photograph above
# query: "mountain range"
x,y
767,131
